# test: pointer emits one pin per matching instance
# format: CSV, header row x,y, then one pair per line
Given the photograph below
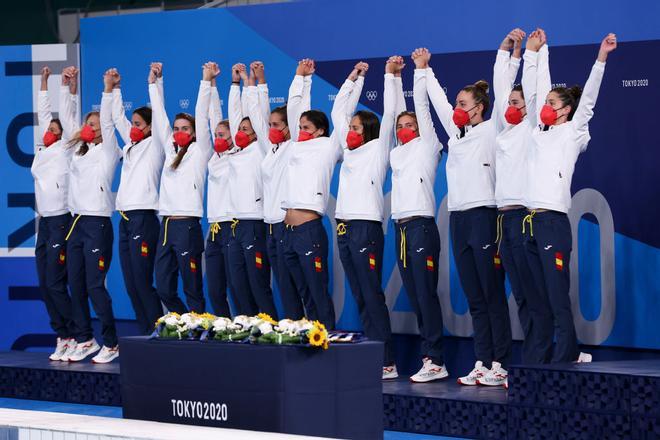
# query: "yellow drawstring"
x,y
73,225
528,219
270,228
167,222
215,228
123,215
500,231
402,252
341,228
234,223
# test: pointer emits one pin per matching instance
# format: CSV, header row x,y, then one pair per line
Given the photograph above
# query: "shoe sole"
x,y
458,381
430,380
491,384
104,362
85,357
391,378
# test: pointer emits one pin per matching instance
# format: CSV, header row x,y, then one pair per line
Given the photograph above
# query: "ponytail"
x,y
569,96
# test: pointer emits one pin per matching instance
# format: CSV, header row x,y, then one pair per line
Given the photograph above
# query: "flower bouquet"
x,y
186,326
289,332
236,330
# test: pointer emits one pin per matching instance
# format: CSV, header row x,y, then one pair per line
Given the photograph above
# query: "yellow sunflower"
x,y
316,337
266,317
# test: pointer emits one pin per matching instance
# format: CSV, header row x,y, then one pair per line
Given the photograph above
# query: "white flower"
x,y
265,328
221,324
171,320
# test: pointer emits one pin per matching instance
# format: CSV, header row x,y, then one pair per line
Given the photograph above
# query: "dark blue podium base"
x,y
296,390
603,400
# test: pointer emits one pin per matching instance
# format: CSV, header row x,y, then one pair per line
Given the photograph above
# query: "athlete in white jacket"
x,y
563,133
187,148
137,202
50,170
248,259
473,219
366,145
90,237
310,167
274,137
414,163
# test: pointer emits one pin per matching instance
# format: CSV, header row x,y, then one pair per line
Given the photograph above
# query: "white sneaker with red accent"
x,y
429,372
84,349
60,349
70,349
390,372
473,376
495,377
107,354
584,358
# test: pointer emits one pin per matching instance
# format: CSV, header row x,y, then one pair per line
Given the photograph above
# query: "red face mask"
x,y
354,140
136,134
305,136
405,135
461,117
548,115
50,138
220,145
87,134
182,139
242,139
513,115
276,136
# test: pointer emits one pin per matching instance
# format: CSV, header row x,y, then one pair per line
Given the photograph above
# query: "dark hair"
x,y
318,119
58,122
370,125
245,118
182,151
145,113
84,148
518,88
224,123
282,112
479,92
569,96
405,113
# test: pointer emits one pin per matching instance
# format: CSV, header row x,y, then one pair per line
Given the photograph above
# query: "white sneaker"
x,y
70,349
106,355
584,358
84,349
390,372
429,372
60,349
495,377
473,376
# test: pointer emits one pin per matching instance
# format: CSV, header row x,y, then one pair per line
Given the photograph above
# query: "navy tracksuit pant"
x,y
548,245
418,248
249,266
180,248
50,253
88,257
512,253
305,251
474,236
290,294
138,240
361,244
217,280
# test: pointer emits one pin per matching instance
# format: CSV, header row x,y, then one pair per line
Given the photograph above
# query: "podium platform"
x,y
296,390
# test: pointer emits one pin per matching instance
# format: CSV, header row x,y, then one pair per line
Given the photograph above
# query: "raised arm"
x,y
427,132
110,147
44,114
215,109
504,74
258,72
528,81
543,80
345,103
235,106
440,103
585,108
202,130
68,104
160,123
393,91
122,123
299,96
